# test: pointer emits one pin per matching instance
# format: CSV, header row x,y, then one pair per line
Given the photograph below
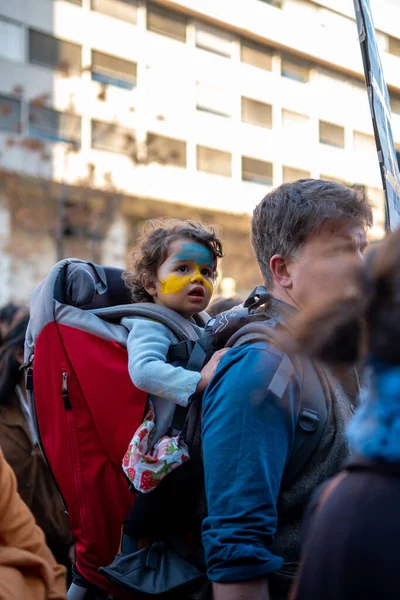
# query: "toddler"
x,y
175,266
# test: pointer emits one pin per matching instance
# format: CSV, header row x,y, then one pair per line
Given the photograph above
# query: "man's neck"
x,y
283,295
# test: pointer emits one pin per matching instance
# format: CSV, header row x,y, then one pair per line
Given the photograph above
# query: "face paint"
x,y
176,283
196,252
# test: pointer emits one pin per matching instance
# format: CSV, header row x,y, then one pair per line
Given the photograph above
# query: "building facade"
x,y
115,111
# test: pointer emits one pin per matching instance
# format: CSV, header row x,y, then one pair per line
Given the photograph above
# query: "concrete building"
x,y
121,110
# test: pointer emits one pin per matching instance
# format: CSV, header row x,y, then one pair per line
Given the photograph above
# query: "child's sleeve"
x,y
148,345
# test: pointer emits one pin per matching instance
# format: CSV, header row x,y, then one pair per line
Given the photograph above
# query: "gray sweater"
x,y
148,345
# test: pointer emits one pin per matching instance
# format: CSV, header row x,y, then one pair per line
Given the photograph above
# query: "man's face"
x,y
328,263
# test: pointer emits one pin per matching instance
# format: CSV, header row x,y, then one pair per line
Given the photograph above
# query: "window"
x,y
256,55
256,171
214,161
213,100
276,3
11,41
166,151
48,124
113,138
213,40
112,70
332,135
364,144
394,46
292,174
10,114
256,113
125,10
337,179
295,69
294,123
51,52
395,103
78,2
166,22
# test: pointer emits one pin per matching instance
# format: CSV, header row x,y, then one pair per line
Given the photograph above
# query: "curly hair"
x,y
152,250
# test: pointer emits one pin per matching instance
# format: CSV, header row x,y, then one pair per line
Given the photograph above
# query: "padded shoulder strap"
x,y
310,425
182,328
313,412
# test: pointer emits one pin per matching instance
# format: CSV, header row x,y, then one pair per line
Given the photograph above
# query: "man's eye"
x,y
183,269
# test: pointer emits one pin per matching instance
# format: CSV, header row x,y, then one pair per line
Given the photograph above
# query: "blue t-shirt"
x,y
248,435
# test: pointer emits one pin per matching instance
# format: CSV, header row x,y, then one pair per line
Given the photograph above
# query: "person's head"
x,y
12,356
8,313
303,231
220,305
175,265
348,329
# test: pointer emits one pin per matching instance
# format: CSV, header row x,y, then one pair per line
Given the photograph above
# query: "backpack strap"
x,y
310,424
313,411
180,326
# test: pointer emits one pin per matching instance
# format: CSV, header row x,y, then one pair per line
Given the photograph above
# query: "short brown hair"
x,y
152,250
287,217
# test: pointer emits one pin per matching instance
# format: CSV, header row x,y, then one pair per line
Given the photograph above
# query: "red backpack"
x,y
85,405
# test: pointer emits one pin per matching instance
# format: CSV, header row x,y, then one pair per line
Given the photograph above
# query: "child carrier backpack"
x,y
83,400
86,407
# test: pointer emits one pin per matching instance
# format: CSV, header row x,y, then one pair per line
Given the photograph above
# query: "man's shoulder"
x,y
255,364
257,350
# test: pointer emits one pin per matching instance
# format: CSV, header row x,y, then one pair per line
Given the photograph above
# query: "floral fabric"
x,y
145,468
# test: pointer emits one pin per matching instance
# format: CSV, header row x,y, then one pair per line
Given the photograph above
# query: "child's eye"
x,y
206,272
183,269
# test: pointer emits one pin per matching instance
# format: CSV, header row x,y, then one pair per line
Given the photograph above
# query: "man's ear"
x,y
280,271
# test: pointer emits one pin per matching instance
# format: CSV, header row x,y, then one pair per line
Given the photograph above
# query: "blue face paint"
x,y
200,254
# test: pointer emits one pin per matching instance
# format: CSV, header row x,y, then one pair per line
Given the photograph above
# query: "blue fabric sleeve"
x,y
148,345
248,434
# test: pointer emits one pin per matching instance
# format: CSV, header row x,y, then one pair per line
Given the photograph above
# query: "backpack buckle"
x,y
308,420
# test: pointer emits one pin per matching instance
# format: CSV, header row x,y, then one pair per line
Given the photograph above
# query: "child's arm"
x,y
148,345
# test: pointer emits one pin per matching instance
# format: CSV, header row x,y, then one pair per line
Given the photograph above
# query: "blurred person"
x,y
8,313
221,304
352,527
28,570
304,235
19,444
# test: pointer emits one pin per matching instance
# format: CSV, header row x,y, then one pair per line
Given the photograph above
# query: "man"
x,y
303,234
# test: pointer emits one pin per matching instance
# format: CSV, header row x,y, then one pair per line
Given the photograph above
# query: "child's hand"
x,y
208,372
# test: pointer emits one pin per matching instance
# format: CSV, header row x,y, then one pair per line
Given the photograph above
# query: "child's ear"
x,y
151,288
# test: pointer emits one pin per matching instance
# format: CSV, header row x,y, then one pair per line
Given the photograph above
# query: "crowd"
x,y
300,420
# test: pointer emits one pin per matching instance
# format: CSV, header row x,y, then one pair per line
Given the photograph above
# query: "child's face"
x,y
185,279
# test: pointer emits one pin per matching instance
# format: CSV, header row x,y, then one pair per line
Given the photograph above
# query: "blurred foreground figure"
x,y
352,531
28,570
18,442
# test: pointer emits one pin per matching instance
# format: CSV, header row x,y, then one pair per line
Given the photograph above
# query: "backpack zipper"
x,y
64,391
28,366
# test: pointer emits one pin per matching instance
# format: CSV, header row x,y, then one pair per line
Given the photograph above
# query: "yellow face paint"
x,y
176,283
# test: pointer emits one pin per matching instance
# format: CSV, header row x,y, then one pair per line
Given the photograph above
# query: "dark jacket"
x,y
351,543
35,482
